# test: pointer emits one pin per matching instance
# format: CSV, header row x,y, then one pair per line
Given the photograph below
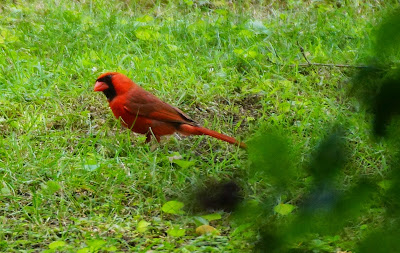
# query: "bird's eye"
x,y
105,79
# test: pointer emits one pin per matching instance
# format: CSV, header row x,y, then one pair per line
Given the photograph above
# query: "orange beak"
x,y
100,86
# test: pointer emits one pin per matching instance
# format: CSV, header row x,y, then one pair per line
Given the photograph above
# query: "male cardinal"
x,y
144,113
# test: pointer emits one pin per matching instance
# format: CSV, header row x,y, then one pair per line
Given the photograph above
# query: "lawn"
x,y
74,180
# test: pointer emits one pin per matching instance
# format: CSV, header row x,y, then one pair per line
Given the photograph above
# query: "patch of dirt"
x,y
249,106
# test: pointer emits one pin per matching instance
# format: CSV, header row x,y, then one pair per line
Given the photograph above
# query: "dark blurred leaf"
x,y
381,241
331,216
387,104
388,35
271,158
270,241
329,158
378,86
219,196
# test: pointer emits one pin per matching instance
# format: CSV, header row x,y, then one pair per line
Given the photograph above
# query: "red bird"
x,y
144,113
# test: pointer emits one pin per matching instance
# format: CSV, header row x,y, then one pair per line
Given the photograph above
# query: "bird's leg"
x,y
148,136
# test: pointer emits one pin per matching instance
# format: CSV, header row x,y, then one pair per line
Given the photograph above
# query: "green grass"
x,y
69,172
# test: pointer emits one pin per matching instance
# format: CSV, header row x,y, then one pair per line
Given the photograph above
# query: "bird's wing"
x,y
140,102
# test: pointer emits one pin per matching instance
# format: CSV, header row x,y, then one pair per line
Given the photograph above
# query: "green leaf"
x,y
257,27
145,18
249,119
96,244
211,217
184,164
176,232
174,156
245,53
90,167
91,162
285,107
93,55
284,209
172,47
385,184
246,33
111,249
146,34
56,244
142,226
5,190
52,187
238,51
143,34
83,250
222,12
251,54
188,2
242,229
173,207
200,221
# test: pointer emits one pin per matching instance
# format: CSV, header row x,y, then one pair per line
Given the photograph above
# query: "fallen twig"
x,y
309,63
330,65
324,64
304,55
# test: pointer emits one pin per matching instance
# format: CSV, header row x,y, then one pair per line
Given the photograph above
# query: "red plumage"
x,y
144,113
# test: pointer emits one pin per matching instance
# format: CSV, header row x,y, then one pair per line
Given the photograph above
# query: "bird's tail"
x,y
187,129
